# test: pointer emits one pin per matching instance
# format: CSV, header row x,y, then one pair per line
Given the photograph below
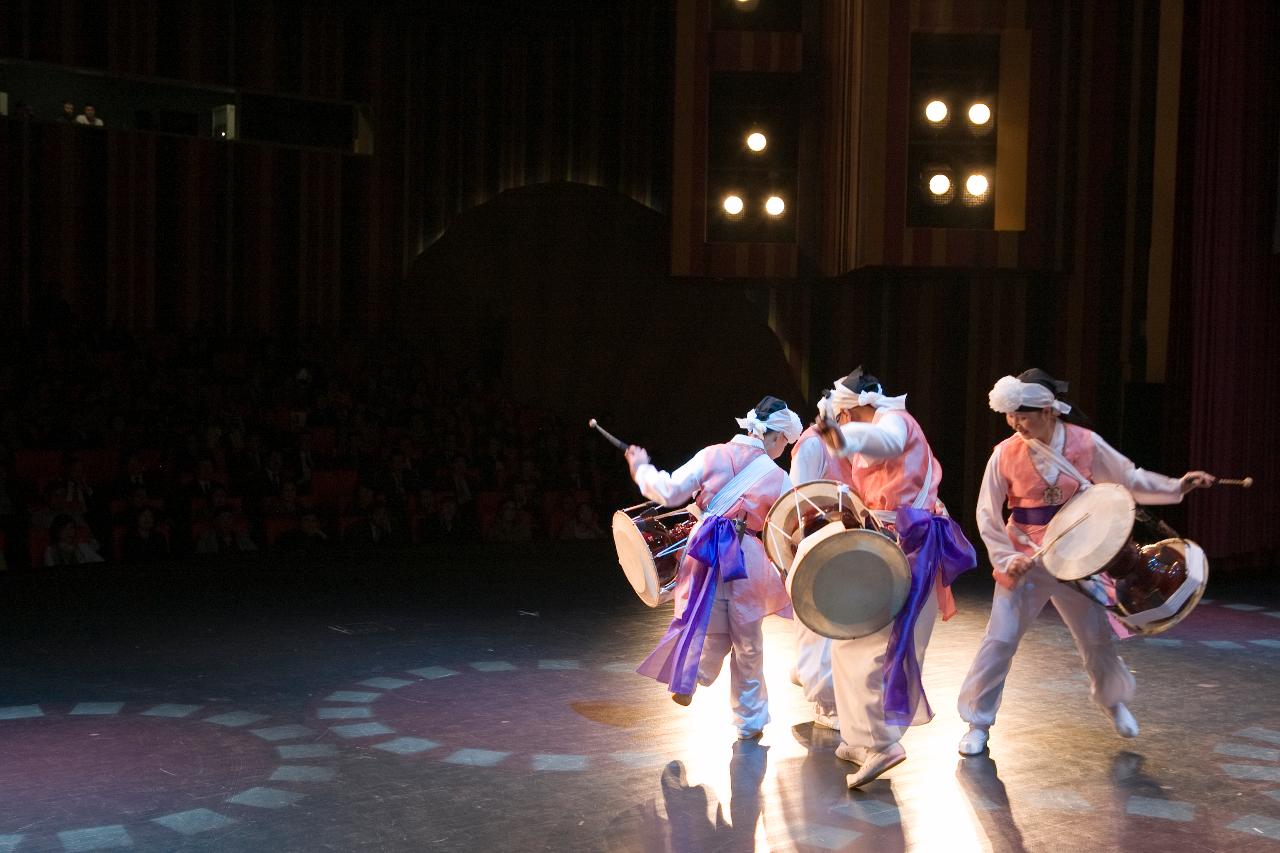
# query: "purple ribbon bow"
x,y
716,553
934,544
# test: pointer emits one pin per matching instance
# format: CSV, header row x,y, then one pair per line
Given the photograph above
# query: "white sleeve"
x,y
675,488
883,438
991,498
1148,487
808,461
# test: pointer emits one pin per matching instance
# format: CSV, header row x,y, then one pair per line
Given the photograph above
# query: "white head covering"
x,y
842,397
1010,394
784,421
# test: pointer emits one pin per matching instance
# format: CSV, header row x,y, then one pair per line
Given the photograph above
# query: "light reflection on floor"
x,y
1057,779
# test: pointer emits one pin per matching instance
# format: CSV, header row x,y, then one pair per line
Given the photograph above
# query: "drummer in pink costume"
x,y
812,460
1026,471
726,585
877,678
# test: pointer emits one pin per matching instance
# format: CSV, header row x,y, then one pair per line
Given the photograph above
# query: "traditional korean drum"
x,y
650,542
1131,563
845,573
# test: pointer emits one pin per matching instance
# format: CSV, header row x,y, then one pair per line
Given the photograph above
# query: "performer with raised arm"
x,y
812,460
1035,471
726,585
878,689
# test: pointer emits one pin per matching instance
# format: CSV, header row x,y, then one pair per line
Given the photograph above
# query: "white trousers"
x,y
744,643
1012,613
858,667
813,667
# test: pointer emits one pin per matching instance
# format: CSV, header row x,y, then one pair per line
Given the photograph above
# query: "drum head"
x,y
782,527
848,584
637,563
1089,530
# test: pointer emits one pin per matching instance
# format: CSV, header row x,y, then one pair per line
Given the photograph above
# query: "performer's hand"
x,y
1196,480
829,432
636,456
1018,566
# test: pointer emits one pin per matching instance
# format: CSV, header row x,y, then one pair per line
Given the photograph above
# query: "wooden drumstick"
x,y
1246,483
1044,549
621,445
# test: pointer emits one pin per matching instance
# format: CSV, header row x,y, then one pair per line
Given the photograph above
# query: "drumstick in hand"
x,y
1044,549
1247,482
621,445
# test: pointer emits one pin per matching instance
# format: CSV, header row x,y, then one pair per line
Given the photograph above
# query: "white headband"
x,y
842,398
784,421
1010,394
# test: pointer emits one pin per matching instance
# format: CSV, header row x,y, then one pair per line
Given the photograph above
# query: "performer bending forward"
x,y
726,585
877,678
1035,471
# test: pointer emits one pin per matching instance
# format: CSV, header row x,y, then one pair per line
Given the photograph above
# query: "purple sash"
x,y
935,545
715,553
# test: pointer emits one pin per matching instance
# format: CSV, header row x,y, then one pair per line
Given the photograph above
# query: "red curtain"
x,y
1229,358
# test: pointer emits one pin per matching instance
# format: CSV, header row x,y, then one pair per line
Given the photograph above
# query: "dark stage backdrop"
x,y
148,231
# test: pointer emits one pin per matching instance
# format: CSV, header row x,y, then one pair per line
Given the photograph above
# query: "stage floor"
x,y
485,700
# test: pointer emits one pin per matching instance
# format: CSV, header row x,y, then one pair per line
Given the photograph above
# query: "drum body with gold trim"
x,y
1131,563
650,542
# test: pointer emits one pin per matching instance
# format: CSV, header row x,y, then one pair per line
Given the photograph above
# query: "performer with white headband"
x,y
878,689
1034,472
725,585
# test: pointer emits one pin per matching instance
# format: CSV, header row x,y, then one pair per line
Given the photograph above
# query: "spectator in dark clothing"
x,y
306,538
445,524
143,543
224,538
205,482
376,529
68,114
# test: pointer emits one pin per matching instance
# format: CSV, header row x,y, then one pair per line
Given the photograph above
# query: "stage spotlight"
x,y
774,206
756,141
979,114
975,189
939,185
745,5
935,111
733,205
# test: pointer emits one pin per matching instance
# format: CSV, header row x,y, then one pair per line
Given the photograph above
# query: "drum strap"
x,y
733,490
1063,463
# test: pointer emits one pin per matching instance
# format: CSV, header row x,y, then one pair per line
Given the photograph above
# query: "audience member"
x,y
306,538
89,116
143,543
223,537
511,525
65,546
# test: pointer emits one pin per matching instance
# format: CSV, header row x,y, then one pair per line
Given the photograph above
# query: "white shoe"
x,y
974,741
826,721
855,754
876,764
1123,720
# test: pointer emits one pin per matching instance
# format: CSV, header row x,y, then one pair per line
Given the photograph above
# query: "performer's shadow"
x,y
818,810
691,826
990,802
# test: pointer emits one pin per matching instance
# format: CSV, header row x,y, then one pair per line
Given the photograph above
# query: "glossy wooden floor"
x,y
484,700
